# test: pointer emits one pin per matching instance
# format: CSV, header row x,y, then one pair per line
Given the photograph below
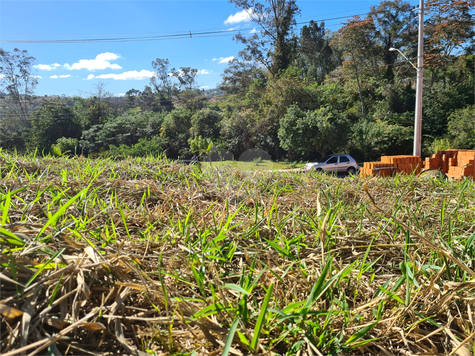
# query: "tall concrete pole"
x,y
420,69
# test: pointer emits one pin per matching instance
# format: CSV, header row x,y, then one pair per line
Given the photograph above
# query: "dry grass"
x,y
149,257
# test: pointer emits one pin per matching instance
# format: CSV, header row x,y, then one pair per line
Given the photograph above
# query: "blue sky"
x,y
76,68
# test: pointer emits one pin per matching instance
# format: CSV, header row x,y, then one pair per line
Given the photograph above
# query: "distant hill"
x,y
213,92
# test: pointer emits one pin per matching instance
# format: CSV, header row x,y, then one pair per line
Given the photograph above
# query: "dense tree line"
x,y
294,94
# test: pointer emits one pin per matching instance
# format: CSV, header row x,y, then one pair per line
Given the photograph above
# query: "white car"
x,y
334,164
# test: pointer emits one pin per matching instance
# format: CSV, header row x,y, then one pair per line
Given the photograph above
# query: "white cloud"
x,y
54,76
121,94
90,76
130,75
204,71
36,76
253,30
241,16
107,56
60,76
223,59
46,66
102,61
2,76
204,87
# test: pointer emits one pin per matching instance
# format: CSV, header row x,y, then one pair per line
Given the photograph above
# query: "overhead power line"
x,y
180,35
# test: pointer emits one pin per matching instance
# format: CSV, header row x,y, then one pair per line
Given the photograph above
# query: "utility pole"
x,y
420,76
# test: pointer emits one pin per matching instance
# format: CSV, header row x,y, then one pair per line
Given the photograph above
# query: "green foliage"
x,y
126,129
18,81
371,139
175,132
92,111
395,26
316,57
237,131
65,145
439,144
296,94
200,145
462,127
239,75
53,120
440,101
12,135
304,133
206,123
274,46
143,148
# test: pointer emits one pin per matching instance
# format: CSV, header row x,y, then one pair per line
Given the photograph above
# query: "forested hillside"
x,y
295,92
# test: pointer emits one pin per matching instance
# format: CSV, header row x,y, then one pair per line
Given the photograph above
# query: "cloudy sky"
x,y
78,44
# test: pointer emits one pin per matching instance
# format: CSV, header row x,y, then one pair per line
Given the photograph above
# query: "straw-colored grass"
x,y
145,256
255,165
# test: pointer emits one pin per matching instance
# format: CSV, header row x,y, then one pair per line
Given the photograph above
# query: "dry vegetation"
x,y
149,257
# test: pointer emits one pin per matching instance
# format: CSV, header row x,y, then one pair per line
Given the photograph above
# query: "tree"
x,y
274,44
125,129
169,83
95,109
175,131
206,123
53,120
449,27
148,101
395,26
18,81
239,75
316,57
186,78
237,131
302,133
357,41
370,139
439,102
132,96
462,127
162,82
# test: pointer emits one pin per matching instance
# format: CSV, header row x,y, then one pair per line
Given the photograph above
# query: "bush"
x,y
145,147
462,127
65,146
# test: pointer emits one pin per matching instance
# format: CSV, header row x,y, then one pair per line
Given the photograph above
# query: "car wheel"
x,y
319,170
351,170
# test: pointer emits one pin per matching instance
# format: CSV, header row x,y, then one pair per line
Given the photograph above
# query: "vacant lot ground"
x,y
256,165
151,257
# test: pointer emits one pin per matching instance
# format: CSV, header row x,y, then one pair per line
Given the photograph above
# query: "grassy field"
x,y
145,256
253,165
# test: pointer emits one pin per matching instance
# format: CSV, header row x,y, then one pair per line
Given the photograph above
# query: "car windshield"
x,y
324,159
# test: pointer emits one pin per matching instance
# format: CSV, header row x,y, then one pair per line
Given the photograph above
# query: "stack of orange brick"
x,y
455,163
392,164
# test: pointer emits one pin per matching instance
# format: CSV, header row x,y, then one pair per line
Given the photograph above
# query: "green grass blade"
x,y
43,267
230,337
236,288
12,238
260,319
358,335
54,219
